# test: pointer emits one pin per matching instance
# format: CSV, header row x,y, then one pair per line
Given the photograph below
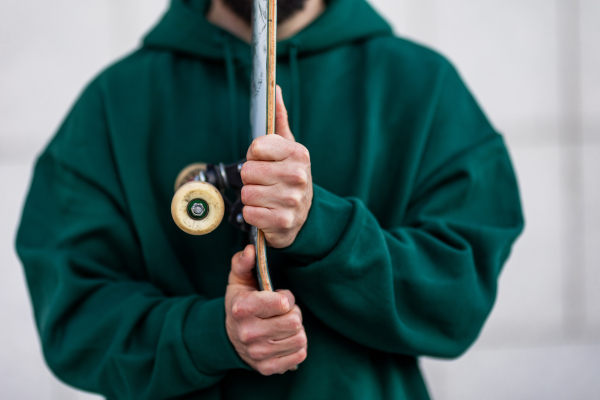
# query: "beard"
x,y
285,9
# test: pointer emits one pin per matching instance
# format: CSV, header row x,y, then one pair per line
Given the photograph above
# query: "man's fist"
x,y
265,327
277,191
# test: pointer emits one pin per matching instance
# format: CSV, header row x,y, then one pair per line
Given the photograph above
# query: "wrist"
x,y
326,222
207,340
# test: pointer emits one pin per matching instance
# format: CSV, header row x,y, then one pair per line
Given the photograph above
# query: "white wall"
x,y
532,64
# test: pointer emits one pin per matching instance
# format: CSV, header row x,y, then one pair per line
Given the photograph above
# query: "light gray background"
x,y
533,64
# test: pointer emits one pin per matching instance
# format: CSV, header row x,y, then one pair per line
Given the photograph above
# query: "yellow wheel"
x,y
197,208
188,174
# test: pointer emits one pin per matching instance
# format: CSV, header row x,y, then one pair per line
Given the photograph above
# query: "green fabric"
x,y
415,209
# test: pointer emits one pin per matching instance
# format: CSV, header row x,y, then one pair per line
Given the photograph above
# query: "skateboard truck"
x,y
221,177
199,205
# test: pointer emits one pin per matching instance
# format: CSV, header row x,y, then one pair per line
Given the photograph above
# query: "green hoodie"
x,y
415,210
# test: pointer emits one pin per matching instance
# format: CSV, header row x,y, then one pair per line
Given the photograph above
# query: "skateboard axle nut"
x,y
197,209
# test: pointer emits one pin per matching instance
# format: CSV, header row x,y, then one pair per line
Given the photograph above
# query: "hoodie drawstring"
x,y
232,85
295,73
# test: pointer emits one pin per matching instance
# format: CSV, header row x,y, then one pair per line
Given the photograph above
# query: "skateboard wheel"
x,y
188,174
197,208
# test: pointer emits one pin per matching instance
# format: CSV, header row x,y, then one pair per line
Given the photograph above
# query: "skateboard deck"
x,y
262,103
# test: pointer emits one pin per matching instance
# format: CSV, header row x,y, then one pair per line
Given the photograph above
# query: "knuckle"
x,y
301,153
284,303
302,340
255,148
285,221
288,222
284,292
243,307
295,322
302,353
237,311
257,354
243,337
266,369
305,154
246,335
300,177
294,199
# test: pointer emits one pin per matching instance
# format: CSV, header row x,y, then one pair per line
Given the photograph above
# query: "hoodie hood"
x,y
184,28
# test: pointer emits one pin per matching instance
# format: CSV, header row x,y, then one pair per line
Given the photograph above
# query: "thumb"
x,y
242,265
282,127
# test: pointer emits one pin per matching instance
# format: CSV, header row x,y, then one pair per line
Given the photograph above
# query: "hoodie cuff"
x,y
206,338
325,225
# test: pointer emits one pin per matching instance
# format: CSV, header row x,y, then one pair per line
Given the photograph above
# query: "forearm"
x,y
104,326
424,287
123,338
128,341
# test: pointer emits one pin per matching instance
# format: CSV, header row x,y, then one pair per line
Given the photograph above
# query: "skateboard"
x,y
199,204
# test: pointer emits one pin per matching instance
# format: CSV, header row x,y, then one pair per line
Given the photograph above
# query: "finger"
x,y
275,196
269,219
282,126
276,304
280,348
270,148
290,344
281,327
268,173
242,265
271,331
283,364
267,304
260,172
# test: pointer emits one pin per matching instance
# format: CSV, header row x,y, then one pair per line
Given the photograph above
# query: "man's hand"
x,y
277,191
265,327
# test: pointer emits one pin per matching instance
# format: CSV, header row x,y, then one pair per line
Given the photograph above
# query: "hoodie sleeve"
x,y
426,285
104,326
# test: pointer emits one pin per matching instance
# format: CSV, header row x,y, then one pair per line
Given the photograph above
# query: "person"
x,y
387,198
